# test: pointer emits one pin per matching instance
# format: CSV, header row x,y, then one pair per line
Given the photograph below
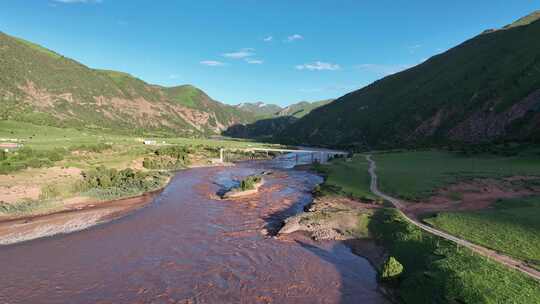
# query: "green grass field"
x,y
46,137
415,175
511,227
437,271
45,147
349,178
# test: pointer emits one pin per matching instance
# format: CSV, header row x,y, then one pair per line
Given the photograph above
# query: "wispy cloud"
x,y
243,53
318,66
212,63
339,87
254,61
295,37
413,48
268,39
383,69
78,1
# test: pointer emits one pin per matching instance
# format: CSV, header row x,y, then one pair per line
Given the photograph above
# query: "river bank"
x,y
78,213
434,268
338,218
192,247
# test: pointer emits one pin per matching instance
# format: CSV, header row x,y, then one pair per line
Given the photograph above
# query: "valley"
x,y
422,185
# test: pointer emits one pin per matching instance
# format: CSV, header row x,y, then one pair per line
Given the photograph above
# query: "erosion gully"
x,y
189,246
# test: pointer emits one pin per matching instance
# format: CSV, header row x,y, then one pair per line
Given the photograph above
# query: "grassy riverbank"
x,y
435,270
346,177
55,168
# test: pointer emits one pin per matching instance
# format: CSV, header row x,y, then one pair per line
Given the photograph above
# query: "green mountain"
x,y
302,108
260,109
485,89
40,86
267,125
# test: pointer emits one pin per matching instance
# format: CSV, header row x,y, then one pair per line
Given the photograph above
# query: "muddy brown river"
x,y
189,246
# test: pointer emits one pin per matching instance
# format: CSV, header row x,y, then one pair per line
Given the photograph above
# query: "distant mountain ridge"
x,y
302,108
270,123
483,90
259,108
43,87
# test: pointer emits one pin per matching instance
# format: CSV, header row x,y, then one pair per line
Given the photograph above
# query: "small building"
x,y
149,142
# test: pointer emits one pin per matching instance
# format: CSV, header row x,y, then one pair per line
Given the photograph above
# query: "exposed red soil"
x,y
470,196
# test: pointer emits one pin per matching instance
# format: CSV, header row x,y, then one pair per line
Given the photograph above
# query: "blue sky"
x,y
239,50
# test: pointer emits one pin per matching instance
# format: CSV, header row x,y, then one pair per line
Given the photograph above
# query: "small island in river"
x,y
247,186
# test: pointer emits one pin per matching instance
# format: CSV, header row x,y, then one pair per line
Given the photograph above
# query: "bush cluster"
x,y
95,148
29,158
127,179
168,158
105,183
249,182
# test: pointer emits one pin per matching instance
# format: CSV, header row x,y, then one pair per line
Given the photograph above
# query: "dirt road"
x,y
495,256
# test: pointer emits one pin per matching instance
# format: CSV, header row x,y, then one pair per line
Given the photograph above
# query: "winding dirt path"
x,y
493,255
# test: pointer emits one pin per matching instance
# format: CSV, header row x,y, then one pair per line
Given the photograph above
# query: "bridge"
x,y
319,155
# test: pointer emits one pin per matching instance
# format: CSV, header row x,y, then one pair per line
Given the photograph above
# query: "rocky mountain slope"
x,y
40,86
485,89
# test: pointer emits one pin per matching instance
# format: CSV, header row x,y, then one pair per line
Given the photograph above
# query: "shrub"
x,y
391,269
95,148
108,183
168,158
249,182
48,192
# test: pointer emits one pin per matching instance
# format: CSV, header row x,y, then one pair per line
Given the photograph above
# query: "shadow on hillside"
x,y
264,128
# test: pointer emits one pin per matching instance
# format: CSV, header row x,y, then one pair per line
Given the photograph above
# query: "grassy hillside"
x,y
42,87
484,89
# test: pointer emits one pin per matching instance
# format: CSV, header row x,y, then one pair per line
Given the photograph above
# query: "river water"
x,y
189,246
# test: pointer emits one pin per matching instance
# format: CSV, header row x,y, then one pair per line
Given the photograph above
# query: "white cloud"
x,y
254,61
78,1
243,53
383,69
212,63
295,37
268,39
318,66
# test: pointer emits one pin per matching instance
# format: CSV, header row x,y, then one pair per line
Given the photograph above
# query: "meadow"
x,y
511,226
415,175
57,163
438,271
435,270
348,178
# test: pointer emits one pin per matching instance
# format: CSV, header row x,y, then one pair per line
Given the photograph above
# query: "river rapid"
x,y
189,246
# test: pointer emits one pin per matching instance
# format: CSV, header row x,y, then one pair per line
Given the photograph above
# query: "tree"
x,y
391,269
